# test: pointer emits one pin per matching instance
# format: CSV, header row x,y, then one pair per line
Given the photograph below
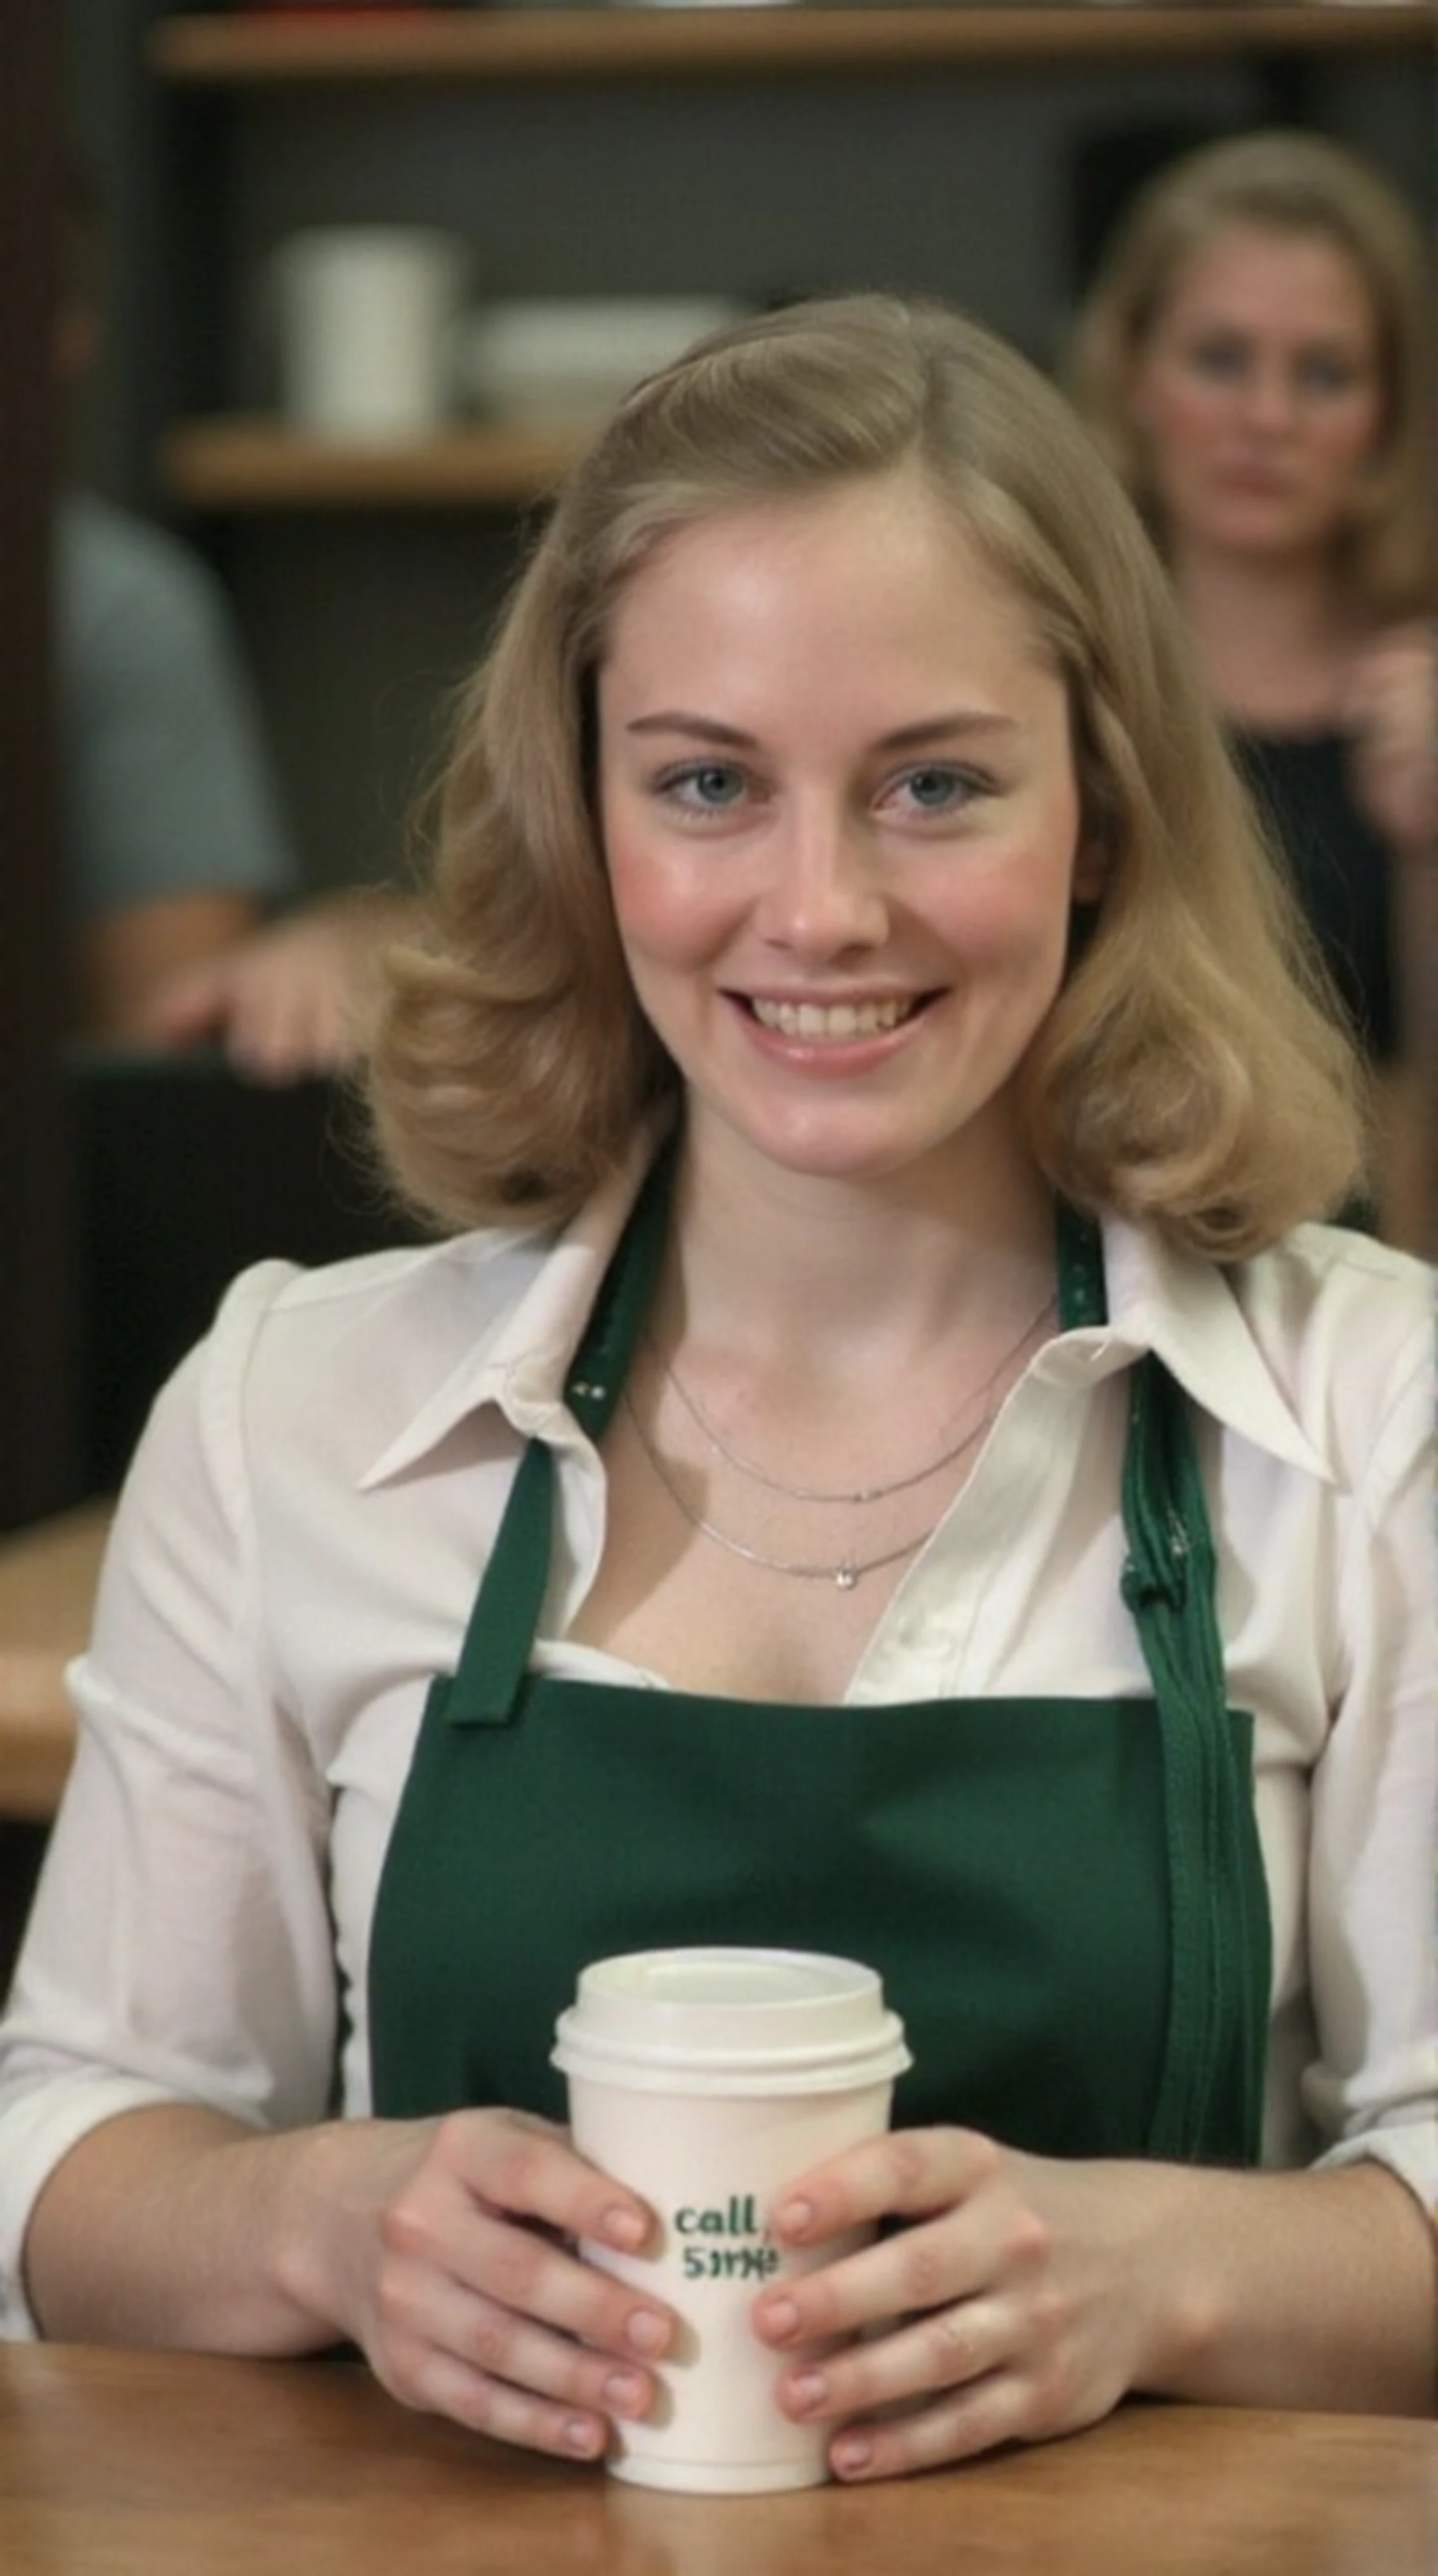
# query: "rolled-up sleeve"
x,y
179,1947
1373,1851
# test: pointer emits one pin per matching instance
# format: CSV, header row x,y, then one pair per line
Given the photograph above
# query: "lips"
x,y
1256,480
835,1020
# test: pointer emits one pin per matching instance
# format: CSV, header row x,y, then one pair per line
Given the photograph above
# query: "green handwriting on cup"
x,y
752,2259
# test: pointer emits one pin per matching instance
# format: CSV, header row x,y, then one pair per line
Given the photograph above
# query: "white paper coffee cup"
x,y
708,2080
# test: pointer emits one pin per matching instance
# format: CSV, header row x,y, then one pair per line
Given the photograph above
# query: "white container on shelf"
x,y
571,359
365,317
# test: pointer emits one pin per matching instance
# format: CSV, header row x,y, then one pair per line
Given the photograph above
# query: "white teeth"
x,y
834,1020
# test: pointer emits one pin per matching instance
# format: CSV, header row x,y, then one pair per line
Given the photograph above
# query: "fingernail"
x,y
623,2228
851,2456
809,2390
779,2319
795,2217
625,2393
645,2332
584,2437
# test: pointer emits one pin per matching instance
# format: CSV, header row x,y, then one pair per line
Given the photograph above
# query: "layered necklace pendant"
x,y
846,1572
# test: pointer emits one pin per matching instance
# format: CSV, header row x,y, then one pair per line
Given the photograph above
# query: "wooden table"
x,y
153,2464
48,1576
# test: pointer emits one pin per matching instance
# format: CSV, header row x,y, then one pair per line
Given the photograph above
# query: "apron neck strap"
x,y
509,1605
604,1357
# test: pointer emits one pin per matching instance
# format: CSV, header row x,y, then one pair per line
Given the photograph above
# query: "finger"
x,y
905,2174
493,2343
491,2209
441,2384
528,2168
946,2349
919,2271
528,2274
976,2418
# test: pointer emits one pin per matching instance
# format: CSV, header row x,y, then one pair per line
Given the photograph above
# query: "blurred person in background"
x,y
184,884
1254,355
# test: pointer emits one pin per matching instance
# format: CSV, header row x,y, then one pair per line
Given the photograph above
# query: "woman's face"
x,y
841,818
1259,393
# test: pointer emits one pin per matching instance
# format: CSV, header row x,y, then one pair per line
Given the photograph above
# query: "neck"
x,y
1272,635
825,1275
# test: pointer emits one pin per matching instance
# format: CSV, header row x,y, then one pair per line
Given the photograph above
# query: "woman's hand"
x,y
442,2253
1012,2304
1391,711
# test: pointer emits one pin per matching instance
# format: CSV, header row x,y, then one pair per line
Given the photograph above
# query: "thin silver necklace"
x,y
844,1575
863,1493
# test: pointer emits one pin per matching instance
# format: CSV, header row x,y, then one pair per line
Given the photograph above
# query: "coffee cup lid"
x,y
730,2020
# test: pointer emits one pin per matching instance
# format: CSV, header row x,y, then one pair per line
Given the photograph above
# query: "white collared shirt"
x,y
297,1551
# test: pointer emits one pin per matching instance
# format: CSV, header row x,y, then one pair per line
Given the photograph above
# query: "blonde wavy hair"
x,y
1190,1072
1296,184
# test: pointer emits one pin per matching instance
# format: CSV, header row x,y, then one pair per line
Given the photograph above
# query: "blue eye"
x,y
707,786
935,789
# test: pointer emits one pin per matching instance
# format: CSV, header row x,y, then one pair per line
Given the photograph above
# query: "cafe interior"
x,y
562,194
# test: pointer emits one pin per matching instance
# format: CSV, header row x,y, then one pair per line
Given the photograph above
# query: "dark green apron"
x,y
1064,1897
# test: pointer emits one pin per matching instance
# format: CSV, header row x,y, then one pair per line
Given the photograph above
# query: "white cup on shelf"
x,y
365,316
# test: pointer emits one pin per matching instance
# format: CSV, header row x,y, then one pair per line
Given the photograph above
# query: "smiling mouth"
x,y
836,1019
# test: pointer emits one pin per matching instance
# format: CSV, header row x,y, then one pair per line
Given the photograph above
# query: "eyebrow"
x,y
1327,341
928,729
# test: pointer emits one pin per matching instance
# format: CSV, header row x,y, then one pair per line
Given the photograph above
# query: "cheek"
x,y
665,911
1170,408
1350,440
1184,427
1016,925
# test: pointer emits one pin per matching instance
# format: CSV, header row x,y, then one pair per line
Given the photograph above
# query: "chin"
x,y
854,1158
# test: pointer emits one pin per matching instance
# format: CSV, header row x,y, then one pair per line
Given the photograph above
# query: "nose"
x,y
824,892
1272,396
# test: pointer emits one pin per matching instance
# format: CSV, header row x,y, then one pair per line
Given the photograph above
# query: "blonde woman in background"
x,y
1255,358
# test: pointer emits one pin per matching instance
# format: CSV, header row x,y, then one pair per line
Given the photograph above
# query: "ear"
x,y
1091,872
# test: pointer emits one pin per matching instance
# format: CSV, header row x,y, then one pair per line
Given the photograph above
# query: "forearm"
x,y
176,2226
127,957
1308,2290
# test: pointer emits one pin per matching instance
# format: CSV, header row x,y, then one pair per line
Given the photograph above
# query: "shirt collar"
x,y
520,1359
1193,1315
1189,1312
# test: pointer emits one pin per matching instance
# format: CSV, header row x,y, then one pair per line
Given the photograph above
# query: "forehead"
x,y
1265,276
891,551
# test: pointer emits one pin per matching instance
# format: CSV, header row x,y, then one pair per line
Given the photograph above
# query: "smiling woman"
x,y
883,1466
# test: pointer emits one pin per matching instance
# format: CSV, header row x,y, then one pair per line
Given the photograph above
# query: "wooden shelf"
x,y
511,44
238,463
